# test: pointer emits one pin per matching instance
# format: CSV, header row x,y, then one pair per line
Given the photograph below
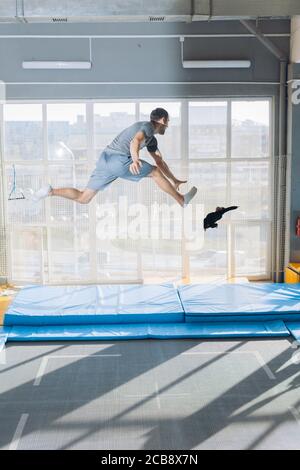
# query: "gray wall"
x,y
137,60
293,176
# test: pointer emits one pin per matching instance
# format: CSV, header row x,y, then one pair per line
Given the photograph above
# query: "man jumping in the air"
x,y
120,159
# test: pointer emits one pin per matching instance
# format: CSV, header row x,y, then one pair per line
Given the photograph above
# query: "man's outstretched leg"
x,y
167,187
82,197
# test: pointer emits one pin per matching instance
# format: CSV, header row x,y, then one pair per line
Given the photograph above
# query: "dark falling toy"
x,y
211,218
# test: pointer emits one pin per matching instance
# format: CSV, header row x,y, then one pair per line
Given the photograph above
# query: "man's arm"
x,y
134,152
162,165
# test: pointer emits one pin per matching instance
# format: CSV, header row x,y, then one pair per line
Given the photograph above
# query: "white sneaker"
x,y
189,196
41,193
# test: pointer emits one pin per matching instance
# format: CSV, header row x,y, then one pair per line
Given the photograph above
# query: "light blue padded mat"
x,y
112,312
144,331
240,302
96,304
294,328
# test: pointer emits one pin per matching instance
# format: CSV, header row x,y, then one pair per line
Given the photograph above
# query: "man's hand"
x,y
135,167
161,164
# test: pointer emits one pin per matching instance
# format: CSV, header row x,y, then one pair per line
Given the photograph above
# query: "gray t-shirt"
x,y
121,143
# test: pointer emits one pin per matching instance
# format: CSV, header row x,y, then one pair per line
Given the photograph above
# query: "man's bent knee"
x,y
86,196
83,201
155,172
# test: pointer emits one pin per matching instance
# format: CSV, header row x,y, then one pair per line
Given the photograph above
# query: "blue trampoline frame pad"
x,y
161,311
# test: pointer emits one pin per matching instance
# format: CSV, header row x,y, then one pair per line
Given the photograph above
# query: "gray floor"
x,y
182,394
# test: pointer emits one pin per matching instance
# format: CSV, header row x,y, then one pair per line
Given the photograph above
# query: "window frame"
x,y
184,162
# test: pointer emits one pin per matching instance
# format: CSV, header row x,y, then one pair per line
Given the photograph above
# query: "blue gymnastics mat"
x,y
144,331
98,304
240,302
112,312
294,329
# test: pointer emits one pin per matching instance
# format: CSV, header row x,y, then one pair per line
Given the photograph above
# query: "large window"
x,y
207,129
132,231
23,132
230,161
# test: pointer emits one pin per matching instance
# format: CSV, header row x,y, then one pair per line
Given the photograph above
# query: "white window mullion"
x,y
184,141
270,254
224,160
139,267
5,196
230,230
92,207
47,200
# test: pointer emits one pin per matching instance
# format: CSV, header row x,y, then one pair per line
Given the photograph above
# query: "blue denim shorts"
x,y
112,165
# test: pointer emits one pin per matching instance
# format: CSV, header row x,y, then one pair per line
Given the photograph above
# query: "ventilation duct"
x,y
156,11
57,11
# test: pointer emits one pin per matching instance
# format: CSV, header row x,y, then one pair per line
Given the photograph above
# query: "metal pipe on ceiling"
x,y
61,11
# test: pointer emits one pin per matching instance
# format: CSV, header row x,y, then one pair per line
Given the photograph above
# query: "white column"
x,y
295,39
